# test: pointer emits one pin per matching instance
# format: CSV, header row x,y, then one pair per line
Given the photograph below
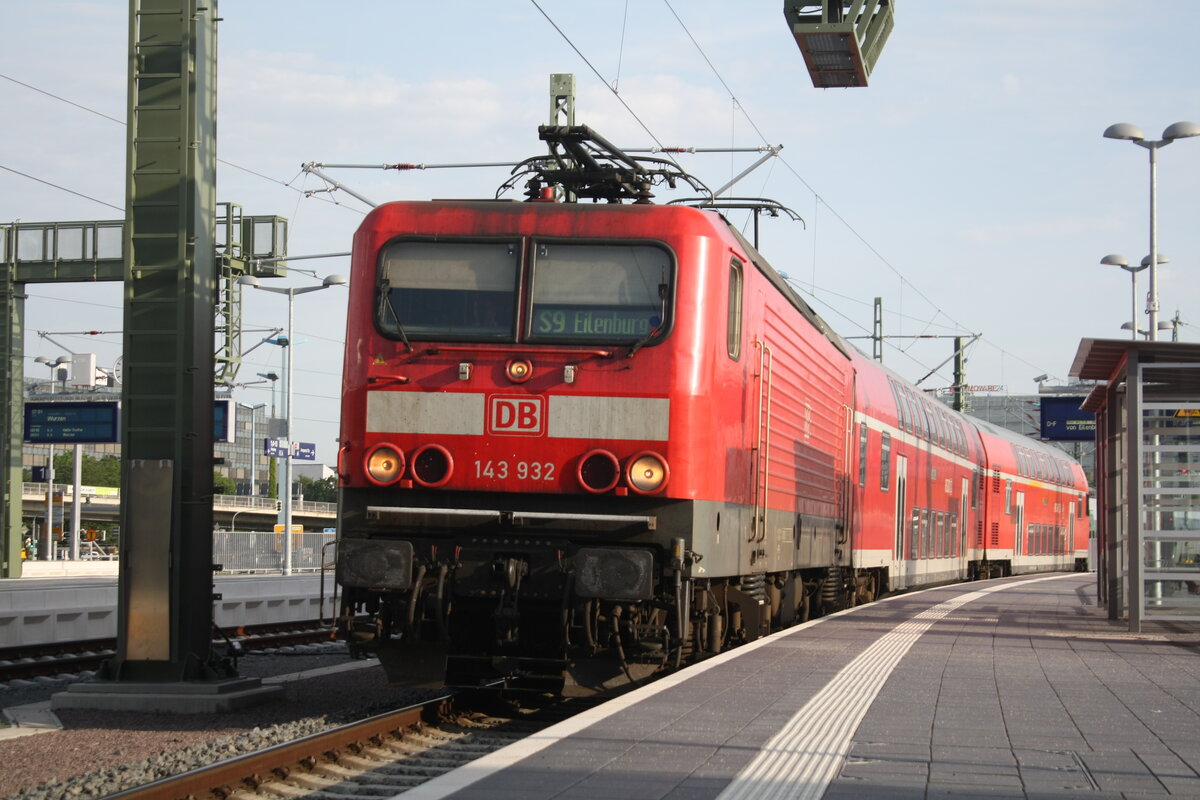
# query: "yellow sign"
x,y
1188,412
296,531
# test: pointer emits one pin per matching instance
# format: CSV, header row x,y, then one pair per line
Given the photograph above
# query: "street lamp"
x,y
54,365
1162,326
1118,260
272,377
285,481
1179,130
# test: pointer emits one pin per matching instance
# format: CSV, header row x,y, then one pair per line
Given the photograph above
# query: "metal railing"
x,y
108,494
252,551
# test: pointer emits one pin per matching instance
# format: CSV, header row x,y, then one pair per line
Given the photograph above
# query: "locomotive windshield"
x,y
593,293
449,290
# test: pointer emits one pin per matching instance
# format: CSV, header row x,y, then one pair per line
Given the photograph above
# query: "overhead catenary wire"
x,y
750,120
60,188
742,110
598,74
102,115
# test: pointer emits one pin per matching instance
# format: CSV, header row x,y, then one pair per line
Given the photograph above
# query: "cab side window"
x,y
734,325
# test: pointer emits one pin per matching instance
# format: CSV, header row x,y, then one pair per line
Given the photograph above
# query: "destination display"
x,y
1063,421
592,322
72,423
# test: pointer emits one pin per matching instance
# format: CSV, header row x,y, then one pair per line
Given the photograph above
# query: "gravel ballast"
x,y
101,752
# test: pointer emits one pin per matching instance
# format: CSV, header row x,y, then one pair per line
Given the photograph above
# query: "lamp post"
x,y
1162,326
1179,130
272,377
285,478
1118,260
54,366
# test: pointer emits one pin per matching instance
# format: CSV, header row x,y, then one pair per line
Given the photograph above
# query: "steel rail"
x,y
224,777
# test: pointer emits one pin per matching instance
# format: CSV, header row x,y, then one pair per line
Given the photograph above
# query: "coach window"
x,y
733,335
1008,496
901,411
862,455
924,420
885,460
914,408
600,293
925,525
461,291
914,539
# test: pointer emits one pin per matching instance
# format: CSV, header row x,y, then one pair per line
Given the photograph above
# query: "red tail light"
x,y
599,471
432,465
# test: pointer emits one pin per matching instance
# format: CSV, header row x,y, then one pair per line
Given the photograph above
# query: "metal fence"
x,y
252,551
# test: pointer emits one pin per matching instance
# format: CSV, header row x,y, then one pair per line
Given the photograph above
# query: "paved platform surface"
x,y
1014,688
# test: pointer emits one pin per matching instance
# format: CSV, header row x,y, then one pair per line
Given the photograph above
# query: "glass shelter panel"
x,y
1169,516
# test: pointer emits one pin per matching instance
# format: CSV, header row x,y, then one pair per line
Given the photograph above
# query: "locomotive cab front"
x,y
507,460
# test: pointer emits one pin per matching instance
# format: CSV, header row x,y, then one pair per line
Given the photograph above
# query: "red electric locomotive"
x,y
583,443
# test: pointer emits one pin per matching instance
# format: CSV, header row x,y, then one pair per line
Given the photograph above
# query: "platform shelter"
x,y
1147,408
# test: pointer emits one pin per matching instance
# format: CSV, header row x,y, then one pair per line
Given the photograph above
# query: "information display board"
x,y
1063,421
72,423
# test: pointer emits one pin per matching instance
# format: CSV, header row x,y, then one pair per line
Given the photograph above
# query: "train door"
x,y
964,524
1069,544
1019,521
901,524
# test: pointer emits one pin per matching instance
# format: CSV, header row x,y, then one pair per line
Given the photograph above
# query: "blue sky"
x,y
968,186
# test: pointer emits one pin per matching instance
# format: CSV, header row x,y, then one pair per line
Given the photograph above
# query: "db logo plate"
x,y
516,415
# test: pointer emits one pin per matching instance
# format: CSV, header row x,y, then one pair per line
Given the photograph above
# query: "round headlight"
x,y
518,370
647,473
385,464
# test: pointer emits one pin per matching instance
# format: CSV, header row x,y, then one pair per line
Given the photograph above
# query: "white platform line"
x,y
800,761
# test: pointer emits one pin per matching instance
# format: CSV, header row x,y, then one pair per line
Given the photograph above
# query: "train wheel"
x,y
864,589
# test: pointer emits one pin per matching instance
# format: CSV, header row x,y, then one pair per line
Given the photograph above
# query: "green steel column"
x,y
165,588
12,373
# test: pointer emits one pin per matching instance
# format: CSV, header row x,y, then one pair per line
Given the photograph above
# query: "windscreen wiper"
x,y
385,303
657,329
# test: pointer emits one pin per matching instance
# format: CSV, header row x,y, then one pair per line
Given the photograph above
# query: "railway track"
x,y
377,757
59,658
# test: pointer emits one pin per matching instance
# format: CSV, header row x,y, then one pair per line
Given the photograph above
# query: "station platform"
x,y
74,601
1011,688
